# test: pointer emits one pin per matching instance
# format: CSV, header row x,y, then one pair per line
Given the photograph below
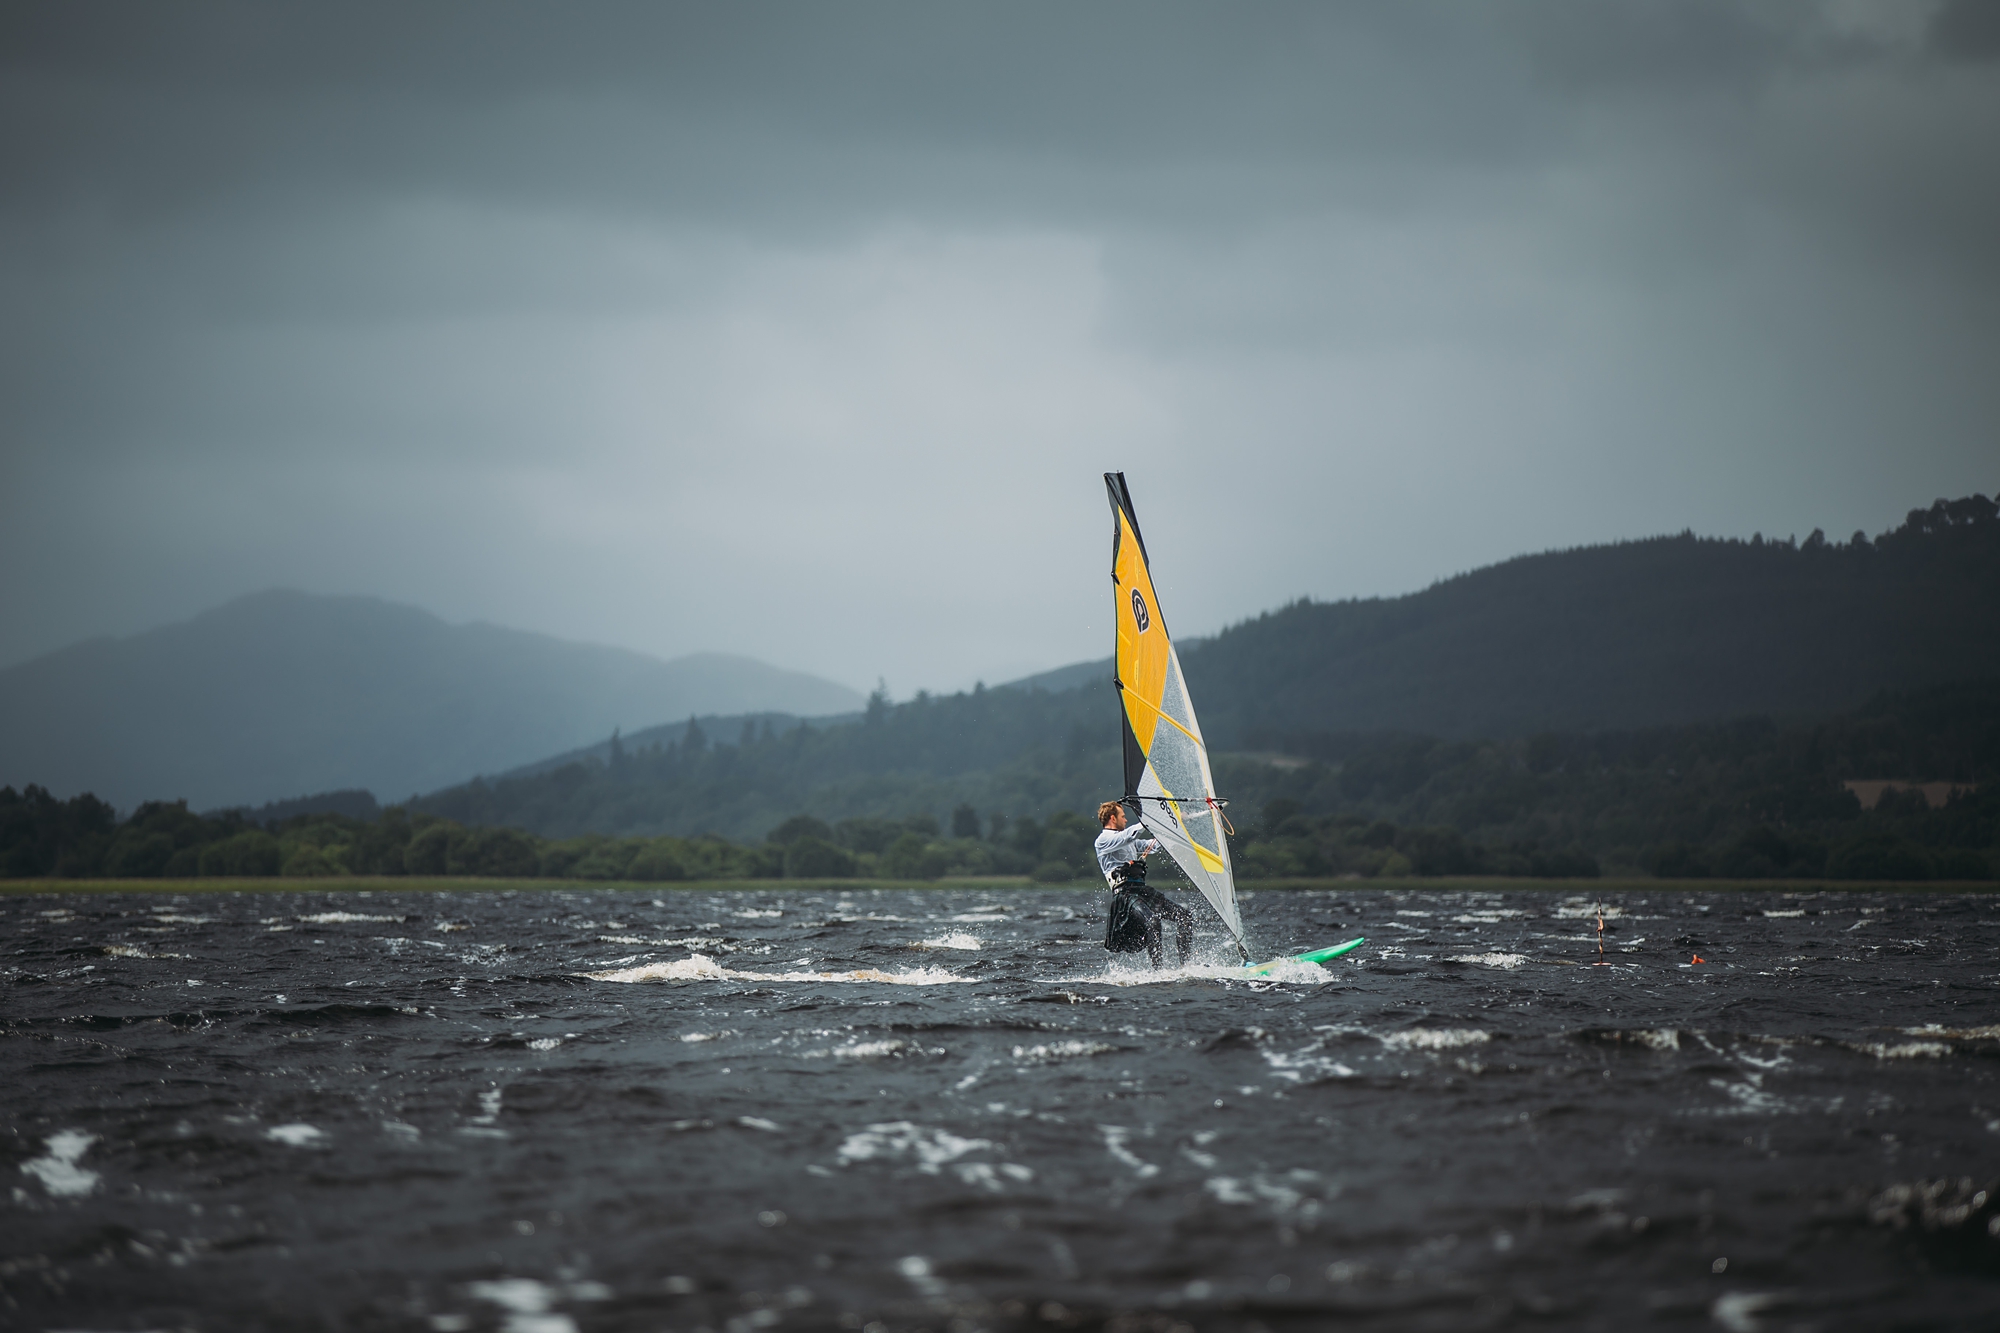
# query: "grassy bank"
x,y
367,884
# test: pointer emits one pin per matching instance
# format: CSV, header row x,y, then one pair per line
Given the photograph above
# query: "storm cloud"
x,y
804,331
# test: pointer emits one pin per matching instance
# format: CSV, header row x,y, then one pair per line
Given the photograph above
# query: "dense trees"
x,y
1747,799
42,837
1750,798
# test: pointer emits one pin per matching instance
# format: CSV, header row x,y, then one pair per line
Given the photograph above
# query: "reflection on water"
x,y
542,1112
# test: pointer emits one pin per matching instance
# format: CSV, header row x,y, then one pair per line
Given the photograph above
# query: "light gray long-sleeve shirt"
x,y
1115,847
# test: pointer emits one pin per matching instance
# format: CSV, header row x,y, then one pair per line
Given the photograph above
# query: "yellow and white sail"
x,y
1166,761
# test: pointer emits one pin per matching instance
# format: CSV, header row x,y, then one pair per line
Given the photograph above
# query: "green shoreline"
x,y
367,884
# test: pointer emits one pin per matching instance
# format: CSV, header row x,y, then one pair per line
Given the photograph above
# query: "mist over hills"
x,y
1626,639
283,693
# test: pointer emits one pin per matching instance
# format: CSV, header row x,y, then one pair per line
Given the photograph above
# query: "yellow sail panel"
x,y
1209,860
1144,650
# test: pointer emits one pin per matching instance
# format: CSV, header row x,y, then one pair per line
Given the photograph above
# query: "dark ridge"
x,y
353,803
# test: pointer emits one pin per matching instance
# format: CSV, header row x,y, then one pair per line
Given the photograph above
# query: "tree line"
x,y
1745,800
82,838
1752,798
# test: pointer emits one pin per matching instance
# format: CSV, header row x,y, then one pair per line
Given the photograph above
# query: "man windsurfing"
x,y
1138,915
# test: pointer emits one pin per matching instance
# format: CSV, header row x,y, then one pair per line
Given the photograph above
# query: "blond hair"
x,y
1105,811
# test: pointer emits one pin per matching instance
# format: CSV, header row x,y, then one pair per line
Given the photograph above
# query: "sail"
x,y
1166,761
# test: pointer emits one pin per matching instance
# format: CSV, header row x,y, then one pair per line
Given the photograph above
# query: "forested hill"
x,y
1639,634
1022,751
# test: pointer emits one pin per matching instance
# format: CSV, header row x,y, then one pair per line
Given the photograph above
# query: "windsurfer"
x,y
1138,915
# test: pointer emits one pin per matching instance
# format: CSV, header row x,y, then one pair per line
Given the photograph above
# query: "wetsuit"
x,y
1138,915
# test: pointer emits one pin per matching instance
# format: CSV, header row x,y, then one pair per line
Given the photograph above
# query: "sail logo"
x,y
1139,612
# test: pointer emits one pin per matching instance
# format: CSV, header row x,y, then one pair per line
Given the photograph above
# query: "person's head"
x,y
1111,815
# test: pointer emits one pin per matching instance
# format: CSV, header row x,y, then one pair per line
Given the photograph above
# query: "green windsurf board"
x,y
1316,956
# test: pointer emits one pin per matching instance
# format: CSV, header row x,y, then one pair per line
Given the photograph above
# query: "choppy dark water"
x,y
414,1111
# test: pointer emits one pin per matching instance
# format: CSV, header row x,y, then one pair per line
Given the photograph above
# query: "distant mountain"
x,y
281,693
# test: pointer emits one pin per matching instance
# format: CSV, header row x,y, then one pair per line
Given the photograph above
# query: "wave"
x,y
1509,961
1434,1039
700,967
956,940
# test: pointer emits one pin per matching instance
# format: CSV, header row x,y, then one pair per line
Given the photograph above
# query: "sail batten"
x,y
1166,759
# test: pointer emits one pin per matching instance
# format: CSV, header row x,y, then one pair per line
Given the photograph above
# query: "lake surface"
x,y
784,1108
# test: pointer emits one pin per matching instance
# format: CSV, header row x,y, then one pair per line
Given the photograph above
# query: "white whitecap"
x,y
1989,1032
700,967
526,1302
870,1050
57,1168
130,951
1115,1139
1506,960
298,1135
1060,1050
1434,1039
1738,1311
932,1149
1587,909
1283,971
1906,1050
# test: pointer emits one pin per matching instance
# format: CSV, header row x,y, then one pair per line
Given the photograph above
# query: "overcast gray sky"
x,y
806,331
